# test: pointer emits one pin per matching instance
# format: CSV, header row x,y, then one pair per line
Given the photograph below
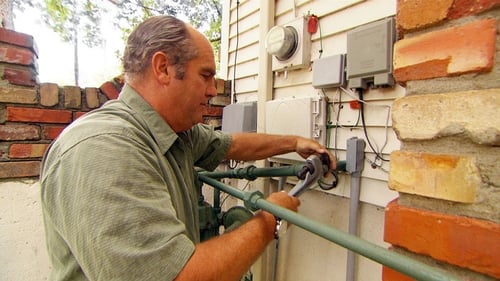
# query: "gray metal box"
x,y
369,54
329,72
240,117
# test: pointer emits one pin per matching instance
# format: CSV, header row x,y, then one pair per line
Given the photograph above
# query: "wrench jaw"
x,y
314,174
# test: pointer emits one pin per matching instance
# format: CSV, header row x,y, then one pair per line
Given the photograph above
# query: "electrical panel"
x,y
303,116
240,117
289,45
369,54
329,72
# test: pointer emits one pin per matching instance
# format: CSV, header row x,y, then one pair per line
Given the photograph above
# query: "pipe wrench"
x,y
315,167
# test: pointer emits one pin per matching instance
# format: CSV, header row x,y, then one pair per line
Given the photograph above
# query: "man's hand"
x,y
306,147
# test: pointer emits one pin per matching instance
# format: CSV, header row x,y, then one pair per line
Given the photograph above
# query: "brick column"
x,y
448,169
32,114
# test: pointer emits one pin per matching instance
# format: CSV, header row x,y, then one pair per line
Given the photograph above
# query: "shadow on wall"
x,y
23,254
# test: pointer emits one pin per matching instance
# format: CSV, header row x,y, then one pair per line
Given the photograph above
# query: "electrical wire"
x,y
233,99
378,154
320,40
227,195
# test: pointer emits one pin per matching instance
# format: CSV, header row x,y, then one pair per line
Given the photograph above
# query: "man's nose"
x,y
212,89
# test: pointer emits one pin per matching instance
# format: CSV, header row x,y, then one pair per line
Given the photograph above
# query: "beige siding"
x,y
336,18
308,261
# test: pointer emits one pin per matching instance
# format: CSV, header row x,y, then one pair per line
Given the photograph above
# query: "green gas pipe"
x,y
401,263
251,172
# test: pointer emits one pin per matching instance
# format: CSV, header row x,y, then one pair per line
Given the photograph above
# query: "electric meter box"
x,y
240,117
369,54
289,45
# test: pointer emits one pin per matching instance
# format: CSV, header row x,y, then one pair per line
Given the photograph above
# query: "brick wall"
x,y
32,114
448,169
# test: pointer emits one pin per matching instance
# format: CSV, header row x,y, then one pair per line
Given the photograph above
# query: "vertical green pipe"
x,y
401,263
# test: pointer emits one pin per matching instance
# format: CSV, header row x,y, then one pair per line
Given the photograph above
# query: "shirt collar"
x,y
159,129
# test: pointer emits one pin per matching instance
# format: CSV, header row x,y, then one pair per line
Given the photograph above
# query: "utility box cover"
x,y
240,117
369,54
304,116
329,72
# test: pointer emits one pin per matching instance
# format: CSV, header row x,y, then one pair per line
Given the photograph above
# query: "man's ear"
x,y
159,65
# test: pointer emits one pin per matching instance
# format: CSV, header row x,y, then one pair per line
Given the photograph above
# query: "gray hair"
x,y
158,34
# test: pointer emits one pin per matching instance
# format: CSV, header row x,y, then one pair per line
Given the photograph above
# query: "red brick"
x,y
15,55
389,274
79,114
19,169
27,150
18,95
429,12
214,111
23,76
24,114
19,132
109,89
461,241
49,94
17,38
72,97
452,51
52,132
462,8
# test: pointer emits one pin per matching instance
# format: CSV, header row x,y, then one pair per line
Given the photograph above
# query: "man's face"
x,y
198,86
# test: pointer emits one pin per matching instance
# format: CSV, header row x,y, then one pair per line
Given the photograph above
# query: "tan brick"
x,y
457,240
472,113
221,100
92,97
49,94
19,132
429,12
18,95
461,49
449,177
72,97
19,169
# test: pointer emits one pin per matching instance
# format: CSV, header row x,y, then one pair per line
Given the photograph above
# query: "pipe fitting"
x,y
250,198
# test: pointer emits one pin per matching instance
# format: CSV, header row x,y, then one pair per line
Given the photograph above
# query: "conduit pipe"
x,y
255,201
354,166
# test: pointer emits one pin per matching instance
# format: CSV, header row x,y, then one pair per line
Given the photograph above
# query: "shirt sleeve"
x,y
209,146
118,217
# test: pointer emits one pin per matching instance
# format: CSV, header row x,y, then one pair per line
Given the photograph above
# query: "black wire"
x,y
320,40
362,108
236,50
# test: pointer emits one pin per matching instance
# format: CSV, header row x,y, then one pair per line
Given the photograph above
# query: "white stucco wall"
x,y
23,255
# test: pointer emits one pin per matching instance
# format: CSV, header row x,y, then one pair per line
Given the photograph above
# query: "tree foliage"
x,y
79,20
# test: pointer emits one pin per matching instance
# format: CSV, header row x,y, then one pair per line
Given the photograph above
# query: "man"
x,y
118,193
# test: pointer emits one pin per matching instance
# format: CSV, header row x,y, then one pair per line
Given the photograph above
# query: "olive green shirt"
x,y
118,194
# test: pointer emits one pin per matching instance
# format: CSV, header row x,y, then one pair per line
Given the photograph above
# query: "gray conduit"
x,y
354,165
